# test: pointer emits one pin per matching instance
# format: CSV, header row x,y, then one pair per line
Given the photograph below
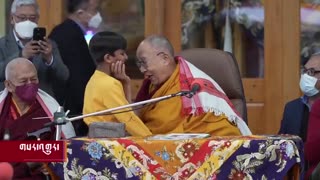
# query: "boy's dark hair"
x,y
106,42
74,5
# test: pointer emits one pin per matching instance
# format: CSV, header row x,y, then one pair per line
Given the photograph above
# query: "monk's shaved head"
x,y
160,43
17,65
156,59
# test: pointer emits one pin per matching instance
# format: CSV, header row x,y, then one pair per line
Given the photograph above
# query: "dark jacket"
x,y
56,72
75,54
295,118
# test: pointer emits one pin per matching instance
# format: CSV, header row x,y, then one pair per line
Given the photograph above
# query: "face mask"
x,y
27,92
95,21
25,29
307,85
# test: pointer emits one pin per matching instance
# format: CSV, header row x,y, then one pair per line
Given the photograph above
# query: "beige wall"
x,y
2,18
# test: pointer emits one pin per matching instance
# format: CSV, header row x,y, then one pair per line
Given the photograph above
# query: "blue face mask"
x,y
308,85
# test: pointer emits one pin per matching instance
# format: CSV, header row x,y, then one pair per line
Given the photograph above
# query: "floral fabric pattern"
x,y
245,157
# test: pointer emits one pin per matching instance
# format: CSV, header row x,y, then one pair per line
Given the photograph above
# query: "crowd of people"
x,y
62,70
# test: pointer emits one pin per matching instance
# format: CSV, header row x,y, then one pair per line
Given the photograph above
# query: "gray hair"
x,y
19,3
8,71
10,68
161,42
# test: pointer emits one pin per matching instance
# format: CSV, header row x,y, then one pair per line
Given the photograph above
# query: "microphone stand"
x,y
60,116
59,119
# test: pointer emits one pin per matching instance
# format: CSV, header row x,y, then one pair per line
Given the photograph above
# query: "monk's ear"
x,y
108,58
9,86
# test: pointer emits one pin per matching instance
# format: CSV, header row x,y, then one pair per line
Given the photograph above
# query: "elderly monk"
x,y
20,102
209,111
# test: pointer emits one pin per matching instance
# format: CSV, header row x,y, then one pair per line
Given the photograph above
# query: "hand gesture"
x,y
118,71
31,49
38,167
46,49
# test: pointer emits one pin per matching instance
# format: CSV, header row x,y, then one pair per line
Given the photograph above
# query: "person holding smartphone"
x,y
42,52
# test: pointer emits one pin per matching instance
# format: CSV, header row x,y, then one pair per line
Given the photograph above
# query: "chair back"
x,y
223,68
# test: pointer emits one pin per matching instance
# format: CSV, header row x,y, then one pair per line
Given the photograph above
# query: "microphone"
x,y
137,104
61,118
6,171
195,87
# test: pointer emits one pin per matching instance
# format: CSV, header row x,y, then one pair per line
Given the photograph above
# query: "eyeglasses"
x,y
41,134
143,63
310,72
32,18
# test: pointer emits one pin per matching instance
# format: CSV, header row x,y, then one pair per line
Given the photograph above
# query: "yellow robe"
x,y
105,92
165,116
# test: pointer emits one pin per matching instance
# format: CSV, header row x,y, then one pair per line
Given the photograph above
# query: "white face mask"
x,y
25,29
95,21
307,85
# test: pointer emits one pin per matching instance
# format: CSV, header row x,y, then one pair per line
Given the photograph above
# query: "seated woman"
x,y
312,145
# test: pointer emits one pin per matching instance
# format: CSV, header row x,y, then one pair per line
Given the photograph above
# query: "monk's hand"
x,y
118,71
31,49
34,165
44,170
46,50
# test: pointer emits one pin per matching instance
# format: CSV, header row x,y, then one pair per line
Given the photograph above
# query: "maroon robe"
x,y
18,127
144,92
312,144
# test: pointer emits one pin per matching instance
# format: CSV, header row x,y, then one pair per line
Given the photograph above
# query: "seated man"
x,y
109,86
296,112
20,102
209,111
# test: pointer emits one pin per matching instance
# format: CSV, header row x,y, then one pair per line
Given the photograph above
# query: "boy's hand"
x,y
118,71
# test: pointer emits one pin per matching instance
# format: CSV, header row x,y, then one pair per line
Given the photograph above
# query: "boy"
x,y
109,86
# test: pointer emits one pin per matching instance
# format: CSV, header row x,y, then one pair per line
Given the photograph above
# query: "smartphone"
x,y
39,33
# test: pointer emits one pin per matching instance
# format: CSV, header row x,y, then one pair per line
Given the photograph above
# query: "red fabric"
x,y
18,127
144,92
201,156
187,80
312,144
